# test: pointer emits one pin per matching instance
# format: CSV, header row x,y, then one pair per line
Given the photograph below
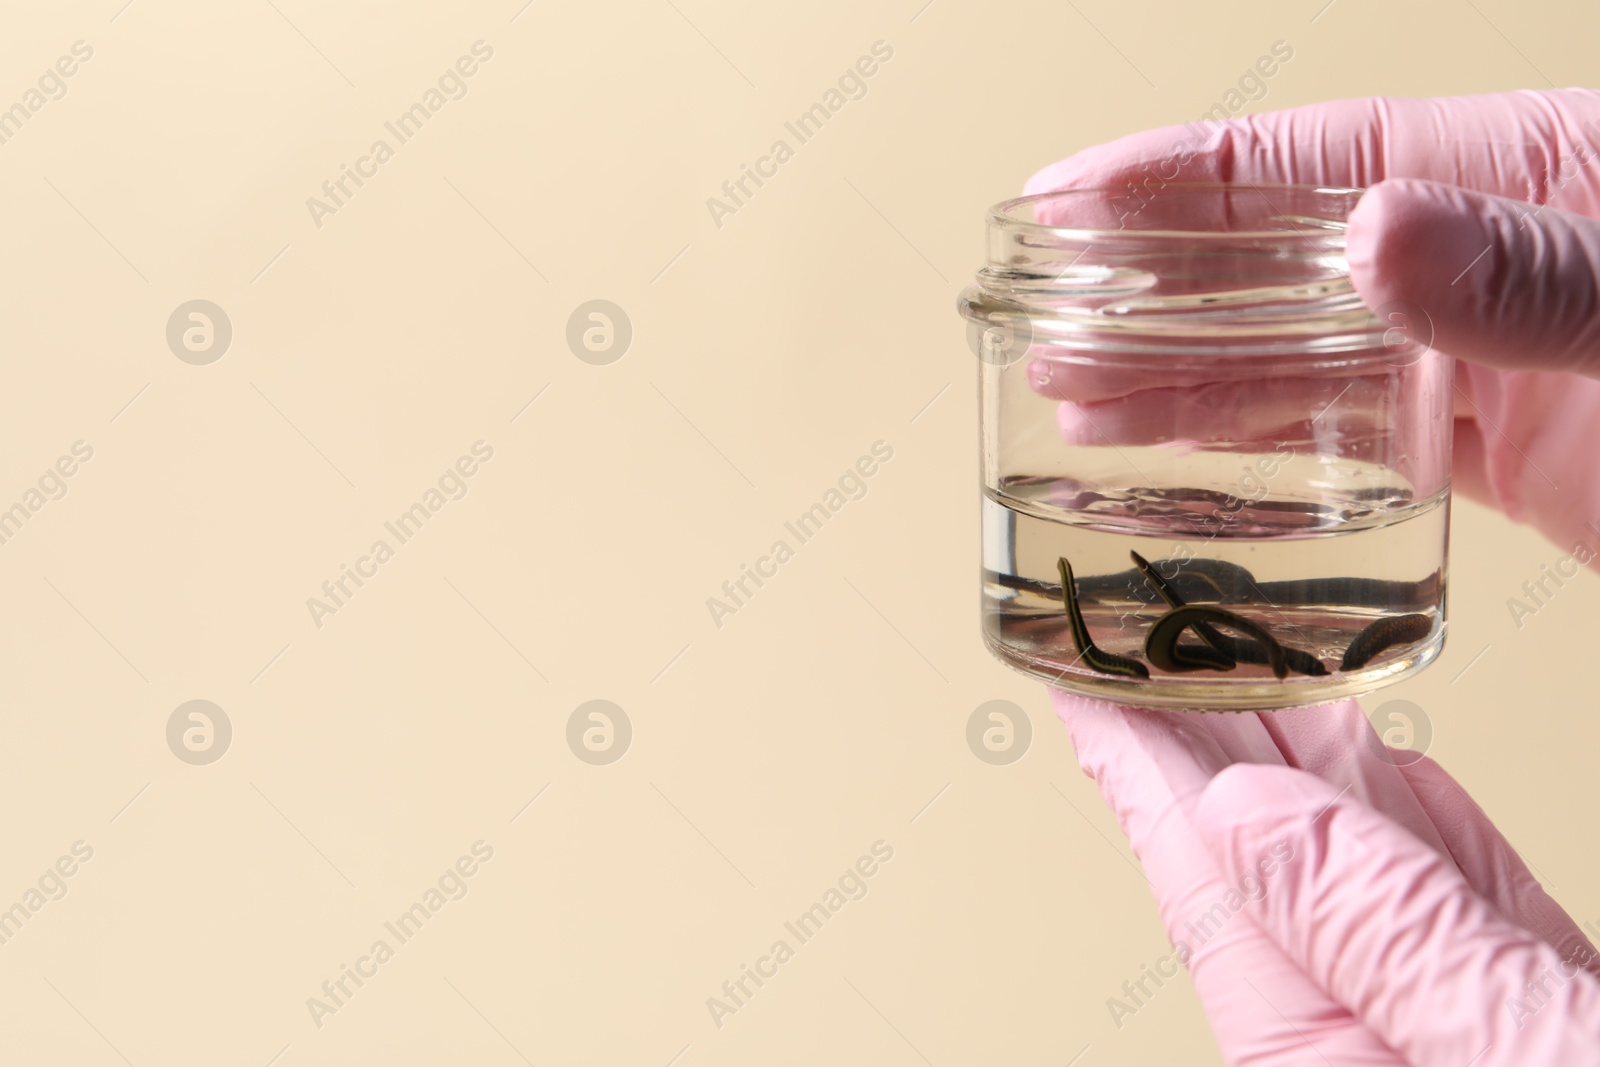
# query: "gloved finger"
x,y
1533,431
1506,284
1534,146
1148,766
1108,378
1525,297
1151,767
1336,743
1531,434
1529,145
1393,931
1145,761
1166,416
1249,414
1265,441
1488,862
1286,410
1469,475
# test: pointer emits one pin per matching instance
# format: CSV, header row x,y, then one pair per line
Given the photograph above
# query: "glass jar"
x,y
1212,478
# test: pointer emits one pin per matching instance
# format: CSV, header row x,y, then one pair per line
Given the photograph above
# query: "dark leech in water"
x,y
1177,657
1383,634
1191,579
1097,658
1362,592
1213,581
1232,649
1222,659
1299,661
1221,582
1162,649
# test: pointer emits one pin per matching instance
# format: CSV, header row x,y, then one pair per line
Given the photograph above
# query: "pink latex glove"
x,y
1455,222
1369,911
1340,908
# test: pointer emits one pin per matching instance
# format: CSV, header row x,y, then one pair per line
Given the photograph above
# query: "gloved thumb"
x,y
1391,930
1501,282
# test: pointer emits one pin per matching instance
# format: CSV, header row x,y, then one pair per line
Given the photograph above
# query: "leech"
x,y
1217,656
1179,657
1231,647
1299,661
1098,659
1162,649
1231,581
1385,633
1224,651
1201,584
1212,580
1365,592
1158,583
1221,593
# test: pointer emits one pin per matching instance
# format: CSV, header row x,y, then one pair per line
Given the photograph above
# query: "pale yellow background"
x,y
767,356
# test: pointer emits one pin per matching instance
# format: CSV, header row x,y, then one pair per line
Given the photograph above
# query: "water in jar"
x,y
1350,585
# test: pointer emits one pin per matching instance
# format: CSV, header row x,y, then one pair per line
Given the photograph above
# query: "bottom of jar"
x,y
1180,694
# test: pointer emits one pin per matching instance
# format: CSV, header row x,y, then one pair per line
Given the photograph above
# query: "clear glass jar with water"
x,y
1212,478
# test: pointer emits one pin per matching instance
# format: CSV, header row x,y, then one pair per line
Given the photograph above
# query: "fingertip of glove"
x,y
1195,149
1401,233
1057,175
1106,738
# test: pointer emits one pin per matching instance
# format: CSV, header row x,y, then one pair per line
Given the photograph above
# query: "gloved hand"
x,y
1335,906
1455,221
1387,921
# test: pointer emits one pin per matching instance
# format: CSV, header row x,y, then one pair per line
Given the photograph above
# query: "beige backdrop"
x,y
375,340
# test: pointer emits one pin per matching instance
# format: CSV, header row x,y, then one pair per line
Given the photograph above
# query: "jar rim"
x,y
1339,200
1218,268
